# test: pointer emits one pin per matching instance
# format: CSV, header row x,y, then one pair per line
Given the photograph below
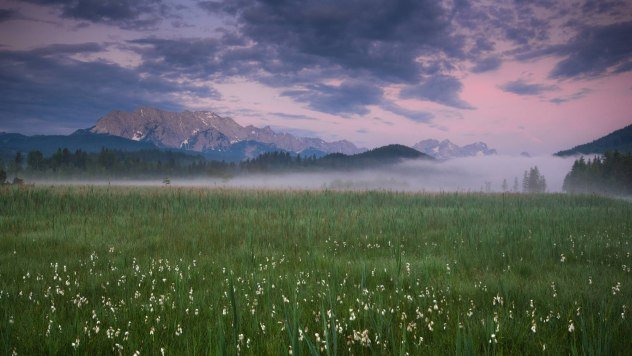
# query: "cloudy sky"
x,y
537,76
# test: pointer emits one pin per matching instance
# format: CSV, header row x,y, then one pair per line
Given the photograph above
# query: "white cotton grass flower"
x,y
616,289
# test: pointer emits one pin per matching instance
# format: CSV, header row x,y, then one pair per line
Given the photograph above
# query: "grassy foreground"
x,y
191,271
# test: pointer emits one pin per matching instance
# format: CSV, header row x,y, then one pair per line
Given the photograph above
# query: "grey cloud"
x,y
213,6
128,14
7,14
575,96
66,49
521,87
482,45
351,97
191,57
486,65
418,116
302,44
66,93
210,58
291,116
381,38
612,7
595,51
440,89
521,22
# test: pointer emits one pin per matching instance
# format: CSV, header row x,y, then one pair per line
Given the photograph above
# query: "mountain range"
x,y
445,149
203,131
619,140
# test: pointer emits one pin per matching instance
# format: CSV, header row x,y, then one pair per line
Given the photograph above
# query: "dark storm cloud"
x,y
519,22
381,38
42,85
190,57
213,58
128,14
595,51
441,89
350,97
7,14
486,65
521,87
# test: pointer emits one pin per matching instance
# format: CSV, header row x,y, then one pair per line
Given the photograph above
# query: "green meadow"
x,y
166,270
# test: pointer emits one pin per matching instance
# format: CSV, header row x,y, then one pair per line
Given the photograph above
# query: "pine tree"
x,y
18,162
34,160
533,181
515,185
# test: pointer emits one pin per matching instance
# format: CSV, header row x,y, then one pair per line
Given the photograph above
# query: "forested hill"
x,y
379,156
620,140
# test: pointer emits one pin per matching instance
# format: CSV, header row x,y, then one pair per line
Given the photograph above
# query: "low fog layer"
x,y
470,174
461,174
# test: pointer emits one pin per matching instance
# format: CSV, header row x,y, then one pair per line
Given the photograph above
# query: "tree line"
x,y
65,163
109,163
609,174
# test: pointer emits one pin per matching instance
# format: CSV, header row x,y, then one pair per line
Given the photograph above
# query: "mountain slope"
x,y
203,131
446,149
619,140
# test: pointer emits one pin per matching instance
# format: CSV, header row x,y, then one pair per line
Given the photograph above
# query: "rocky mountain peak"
x,y
202,131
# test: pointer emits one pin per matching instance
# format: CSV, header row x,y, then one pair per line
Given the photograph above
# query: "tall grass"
x,y
195,271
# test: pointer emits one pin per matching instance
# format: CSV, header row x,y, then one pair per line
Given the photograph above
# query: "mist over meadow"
x,y
470,174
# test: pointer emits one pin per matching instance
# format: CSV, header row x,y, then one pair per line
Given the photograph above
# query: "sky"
x,y
536,76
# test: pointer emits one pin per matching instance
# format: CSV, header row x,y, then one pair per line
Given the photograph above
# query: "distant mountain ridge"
x,y
445,149
205,131
619,140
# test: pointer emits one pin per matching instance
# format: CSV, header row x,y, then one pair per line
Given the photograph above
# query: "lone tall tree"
x,y
34,160
533,181
18,162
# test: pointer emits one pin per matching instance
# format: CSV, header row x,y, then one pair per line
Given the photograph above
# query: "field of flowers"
x,y
199,271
